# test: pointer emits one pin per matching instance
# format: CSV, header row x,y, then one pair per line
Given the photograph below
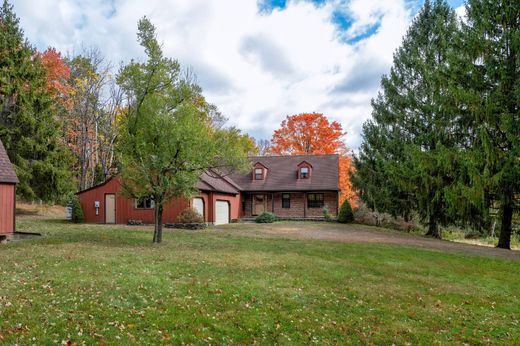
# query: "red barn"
x,y
218,201
8,181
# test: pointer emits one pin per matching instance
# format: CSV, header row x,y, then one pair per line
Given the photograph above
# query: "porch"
x,y
290,205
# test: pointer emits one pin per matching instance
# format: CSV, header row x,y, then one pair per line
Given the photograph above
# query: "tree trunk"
x,y
504,241
157,233
433,228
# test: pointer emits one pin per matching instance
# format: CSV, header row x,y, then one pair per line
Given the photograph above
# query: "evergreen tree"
x,y
487,84
408,159
28,127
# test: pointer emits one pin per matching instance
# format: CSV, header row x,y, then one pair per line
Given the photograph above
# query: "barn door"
x,y
110,208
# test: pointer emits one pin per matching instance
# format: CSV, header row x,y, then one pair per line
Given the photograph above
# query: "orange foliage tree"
x,y
58,73
313,133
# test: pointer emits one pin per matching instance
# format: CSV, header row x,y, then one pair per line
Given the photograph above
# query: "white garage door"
x,y
222,212
198,205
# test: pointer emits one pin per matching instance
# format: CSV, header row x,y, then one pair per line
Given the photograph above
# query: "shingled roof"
x,y
282,174
214,182
7,174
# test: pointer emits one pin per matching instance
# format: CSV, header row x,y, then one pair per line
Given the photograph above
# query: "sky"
x,y
256,60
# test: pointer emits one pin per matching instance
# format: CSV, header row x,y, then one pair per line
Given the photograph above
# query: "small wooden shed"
x,y
8,181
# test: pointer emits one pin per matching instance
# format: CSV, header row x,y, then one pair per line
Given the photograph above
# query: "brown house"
x,y
8,181
289,186
298,186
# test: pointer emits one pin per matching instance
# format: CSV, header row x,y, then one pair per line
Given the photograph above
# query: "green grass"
x,y
94,284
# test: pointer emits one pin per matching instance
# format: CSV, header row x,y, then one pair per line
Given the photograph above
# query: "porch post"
x,y
304,204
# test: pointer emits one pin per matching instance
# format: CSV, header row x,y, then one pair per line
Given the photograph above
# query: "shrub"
x,y
190,215
346,215
326,214
265,217
77,212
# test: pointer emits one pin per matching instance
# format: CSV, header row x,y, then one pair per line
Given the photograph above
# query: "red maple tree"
x,y
58,74
313,133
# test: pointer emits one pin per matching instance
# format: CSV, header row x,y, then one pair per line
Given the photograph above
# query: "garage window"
x,y
286,200
144,203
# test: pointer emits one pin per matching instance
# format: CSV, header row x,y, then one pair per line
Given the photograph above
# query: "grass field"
x,y
94,284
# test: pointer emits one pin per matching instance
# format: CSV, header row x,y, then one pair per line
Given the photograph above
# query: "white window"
x,y
304,172
259,174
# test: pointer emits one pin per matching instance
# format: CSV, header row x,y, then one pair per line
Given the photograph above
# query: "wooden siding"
x,y
7,208
125,209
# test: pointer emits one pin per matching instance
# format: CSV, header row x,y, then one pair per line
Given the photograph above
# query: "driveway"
x,y
353,233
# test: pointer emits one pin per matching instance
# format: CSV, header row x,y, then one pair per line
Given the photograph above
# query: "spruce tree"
x,y
487,86
28,127
406,161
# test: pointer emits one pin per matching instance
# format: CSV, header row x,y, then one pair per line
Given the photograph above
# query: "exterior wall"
x,y
330,201
298,204
234,205
125,209
7,206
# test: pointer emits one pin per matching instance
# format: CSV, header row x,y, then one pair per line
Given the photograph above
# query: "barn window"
x,y
144,203
304,172
315,200
286,200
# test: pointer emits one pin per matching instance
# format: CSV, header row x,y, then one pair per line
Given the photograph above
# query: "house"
x,y
297,186
8,181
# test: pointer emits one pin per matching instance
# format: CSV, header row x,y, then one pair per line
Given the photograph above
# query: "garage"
x,y
221,212
198,205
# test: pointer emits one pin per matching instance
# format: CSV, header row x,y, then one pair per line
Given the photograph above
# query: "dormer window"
x,y
304,170
259,173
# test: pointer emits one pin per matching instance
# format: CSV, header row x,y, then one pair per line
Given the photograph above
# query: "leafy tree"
x,y
58,74
28,127
308,133
487,87
313,133
408,159
170,135
345,215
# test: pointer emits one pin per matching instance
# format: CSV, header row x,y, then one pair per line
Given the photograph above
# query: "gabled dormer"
x,y
304,170
259,171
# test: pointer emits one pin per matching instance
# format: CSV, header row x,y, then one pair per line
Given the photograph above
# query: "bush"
x,y
190,215
77,212
346,215
265,217
326,214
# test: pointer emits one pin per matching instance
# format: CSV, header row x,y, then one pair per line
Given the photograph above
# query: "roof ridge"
x,y
307,155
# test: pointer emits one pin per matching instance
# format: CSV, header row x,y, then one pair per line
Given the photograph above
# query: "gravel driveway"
x,y
353,233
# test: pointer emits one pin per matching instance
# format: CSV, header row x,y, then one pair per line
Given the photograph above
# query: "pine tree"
x,y
28,128
407,159
488,90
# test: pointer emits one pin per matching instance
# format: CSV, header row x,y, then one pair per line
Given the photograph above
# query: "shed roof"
x,y
7,174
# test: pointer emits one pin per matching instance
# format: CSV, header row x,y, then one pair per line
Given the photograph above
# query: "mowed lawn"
x,y
97,284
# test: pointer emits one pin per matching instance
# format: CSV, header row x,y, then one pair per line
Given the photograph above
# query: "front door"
x,y
110,208
259,202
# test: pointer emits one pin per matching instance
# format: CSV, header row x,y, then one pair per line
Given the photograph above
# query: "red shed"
x,y
218,200
8,181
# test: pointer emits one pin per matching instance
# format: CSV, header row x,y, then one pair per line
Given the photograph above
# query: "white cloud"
x,y
257,68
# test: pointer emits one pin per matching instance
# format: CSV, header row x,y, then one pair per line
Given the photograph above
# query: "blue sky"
x,y
258,61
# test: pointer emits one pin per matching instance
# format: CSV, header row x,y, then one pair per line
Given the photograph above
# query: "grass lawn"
x,y
95,284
